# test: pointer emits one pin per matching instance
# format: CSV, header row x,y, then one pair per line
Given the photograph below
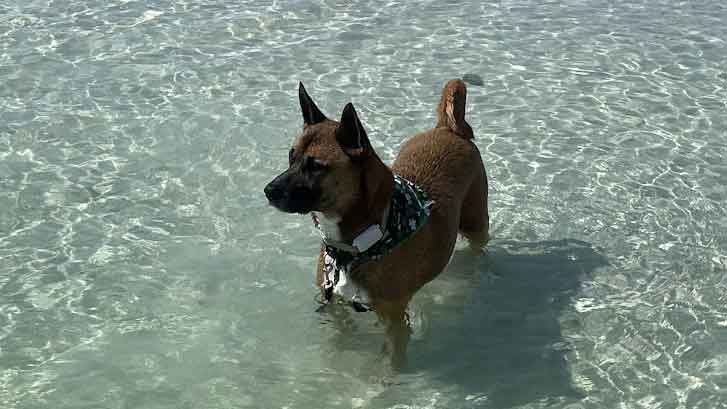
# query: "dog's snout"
x,y
291,193
273,192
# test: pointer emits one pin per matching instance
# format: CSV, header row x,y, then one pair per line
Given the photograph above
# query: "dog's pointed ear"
x,y
311,114
351,135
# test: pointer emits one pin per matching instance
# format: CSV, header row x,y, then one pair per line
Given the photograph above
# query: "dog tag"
x,y
368,238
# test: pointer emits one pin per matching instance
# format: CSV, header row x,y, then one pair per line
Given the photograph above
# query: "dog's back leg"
x,y
474,222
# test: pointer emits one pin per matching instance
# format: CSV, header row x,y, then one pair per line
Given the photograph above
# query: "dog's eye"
x,y
314,165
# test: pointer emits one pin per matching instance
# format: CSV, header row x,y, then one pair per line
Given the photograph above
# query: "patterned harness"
x,y
408,212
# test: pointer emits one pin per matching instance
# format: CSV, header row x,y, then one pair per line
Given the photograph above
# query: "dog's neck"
x,y
328,225
377,187
333,233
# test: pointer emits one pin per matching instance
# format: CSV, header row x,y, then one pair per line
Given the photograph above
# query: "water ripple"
x,y
141,267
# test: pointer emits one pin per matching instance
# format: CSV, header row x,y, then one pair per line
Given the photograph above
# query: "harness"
x,y
408,211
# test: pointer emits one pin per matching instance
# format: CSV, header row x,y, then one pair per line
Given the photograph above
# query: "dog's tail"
x,y
450,112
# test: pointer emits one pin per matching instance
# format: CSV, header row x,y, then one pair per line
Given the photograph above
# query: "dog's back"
x,y
447,164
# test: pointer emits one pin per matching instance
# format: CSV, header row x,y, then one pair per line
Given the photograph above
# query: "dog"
x,y
386,231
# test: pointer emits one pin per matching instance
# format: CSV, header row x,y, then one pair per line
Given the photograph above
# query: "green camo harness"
x,y
408,211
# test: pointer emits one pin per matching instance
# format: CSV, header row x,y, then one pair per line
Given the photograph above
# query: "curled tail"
x,y
450,112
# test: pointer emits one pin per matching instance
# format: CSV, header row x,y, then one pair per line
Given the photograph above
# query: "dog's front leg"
x,y
393,314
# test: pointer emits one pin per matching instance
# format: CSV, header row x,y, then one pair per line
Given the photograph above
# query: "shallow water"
x,y
141,267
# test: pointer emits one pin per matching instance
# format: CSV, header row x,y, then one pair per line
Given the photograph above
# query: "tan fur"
x,y
451,109
445,162
339,190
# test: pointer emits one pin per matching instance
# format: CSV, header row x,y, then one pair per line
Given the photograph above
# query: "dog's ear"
x,y
378,181
351,135
311,114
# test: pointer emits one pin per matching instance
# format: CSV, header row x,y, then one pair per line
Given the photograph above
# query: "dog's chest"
x,y
408,211
338,279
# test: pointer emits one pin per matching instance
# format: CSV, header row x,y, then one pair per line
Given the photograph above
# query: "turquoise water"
x,y
141,267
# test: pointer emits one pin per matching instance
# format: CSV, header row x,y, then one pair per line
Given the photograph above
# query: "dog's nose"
x,y
273,193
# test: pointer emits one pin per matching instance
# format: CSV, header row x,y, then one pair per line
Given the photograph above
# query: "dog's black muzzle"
x,y
291,192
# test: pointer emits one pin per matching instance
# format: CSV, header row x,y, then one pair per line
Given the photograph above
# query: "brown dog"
x,y
386,231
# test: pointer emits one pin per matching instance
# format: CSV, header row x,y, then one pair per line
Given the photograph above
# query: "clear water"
x,y
140,266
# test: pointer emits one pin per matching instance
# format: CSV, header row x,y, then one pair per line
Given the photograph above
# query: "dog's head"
x,y
332,166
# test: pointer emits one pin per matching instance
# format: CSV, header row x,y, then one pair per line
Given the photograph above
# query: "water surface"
x,y
141,267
